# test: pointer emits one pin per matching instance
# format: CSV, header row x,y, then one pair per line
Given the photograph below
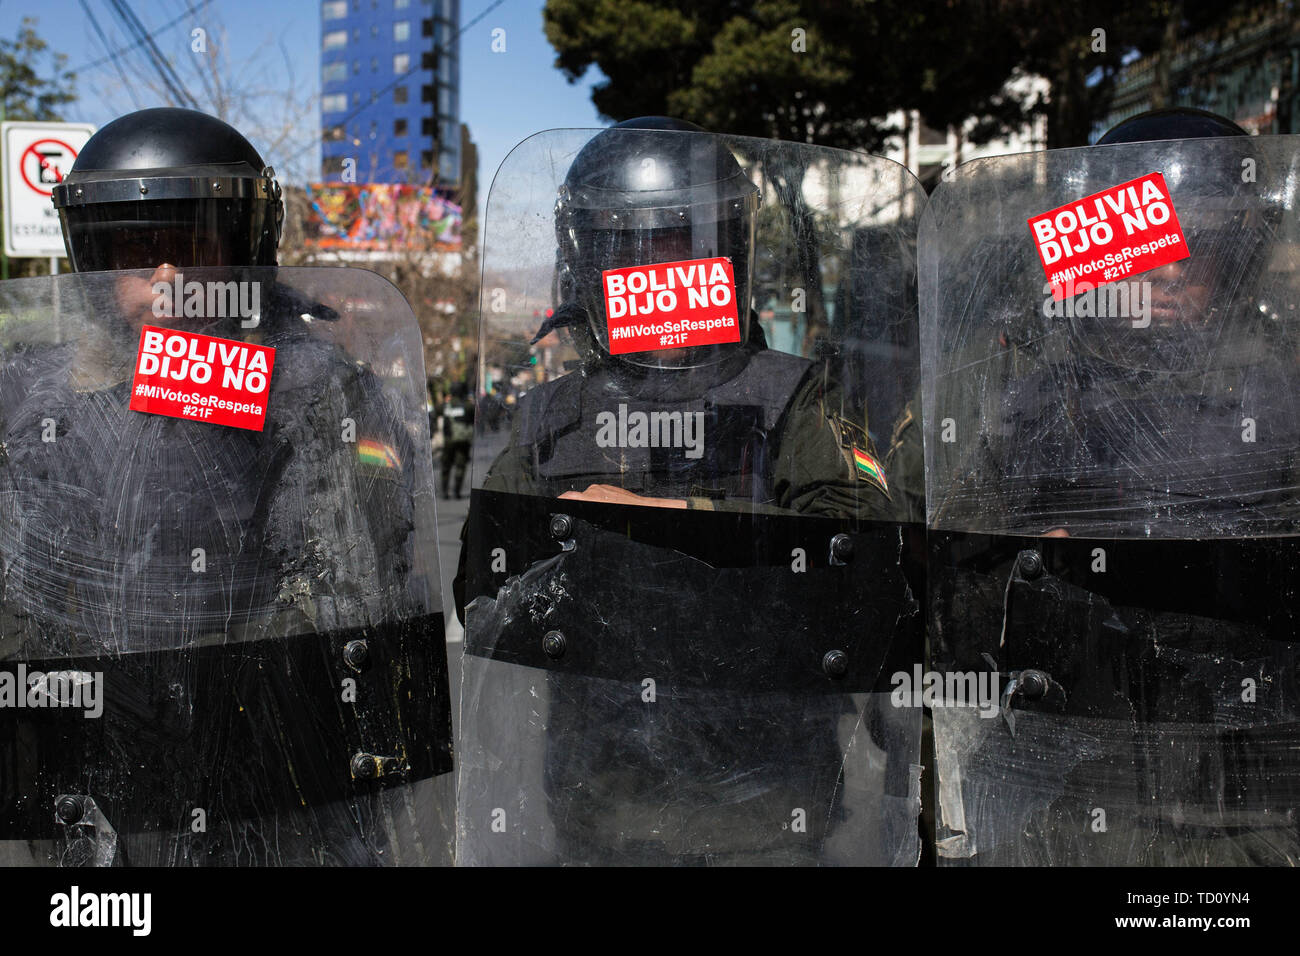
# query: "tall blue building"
x,y
390,91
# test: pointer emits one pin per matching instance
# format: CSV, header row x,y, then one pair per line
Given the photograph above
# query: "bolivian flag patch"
x,y
869,468
377,454
854,442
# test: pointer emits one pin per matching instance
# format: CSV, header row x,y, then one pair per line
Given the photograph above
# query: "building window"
x,y
334,72
399,127
399,159
401,63
334,134
374,64
333,9
401,4
401,31
374,31
399,94
356,98
334,103
356,66
335,40
426,159
333,166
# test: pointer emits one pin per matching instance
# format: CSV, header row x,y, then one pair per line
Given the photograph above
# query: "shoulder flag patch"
x,y
855,445
377,454
870,468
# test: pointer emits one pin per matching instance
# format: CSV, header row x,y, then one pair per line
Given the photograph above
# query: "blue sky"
x,y
505,97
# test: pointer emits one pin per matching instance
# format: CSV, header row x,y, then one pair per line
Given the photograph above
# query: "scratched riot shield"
x,y
1111,433
689,571
221,636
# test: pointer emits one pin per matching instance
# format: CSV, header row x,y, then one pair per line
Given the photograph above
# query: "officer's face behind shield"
x,y
154,240
1187,312
1181,315
162,190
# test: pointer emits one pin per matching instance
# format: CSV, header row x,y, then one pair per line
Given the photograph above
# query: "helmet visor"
x,y
147,234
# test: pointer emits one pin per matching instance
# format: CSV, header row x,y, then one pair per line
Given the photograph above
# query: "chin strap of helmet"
x,y
275,228
566,316
573,317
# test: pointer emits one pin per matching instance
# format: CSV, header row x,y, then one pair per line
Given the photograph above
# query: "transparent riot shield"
x,y
221,636
1112,496
690,571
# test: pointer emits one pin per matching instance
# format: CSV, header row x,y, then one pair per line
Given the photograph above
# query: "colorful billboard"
x,y
383,217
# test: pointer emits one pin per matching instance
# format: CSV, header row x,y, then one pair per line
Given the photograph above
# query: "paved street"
x,y
451,515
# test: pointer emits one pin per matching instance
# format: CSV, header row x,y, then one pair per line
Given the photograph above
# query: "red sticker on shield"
x,y
670,305
1108,236
203,378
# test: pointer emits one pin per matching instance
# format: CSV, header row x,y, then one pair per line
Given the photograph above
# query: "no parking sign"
x,y
36,157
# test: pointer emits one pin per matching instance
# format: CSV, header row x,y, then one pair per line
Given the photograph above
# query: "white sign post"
x,y
35,157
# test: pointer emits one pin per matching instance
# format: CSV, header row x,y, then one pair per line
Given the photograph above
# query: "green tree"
x,y
832,71
27,90
824,71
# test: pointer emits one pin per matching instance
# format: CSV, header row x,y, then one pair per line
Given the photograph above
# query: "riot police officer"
x,y
1112,494
457,439
256,600
662,665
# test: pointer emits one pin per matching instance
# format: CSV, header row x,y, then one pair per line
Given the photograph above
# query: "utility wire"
x,y
113,55
169,77
116,63
131,30
163,61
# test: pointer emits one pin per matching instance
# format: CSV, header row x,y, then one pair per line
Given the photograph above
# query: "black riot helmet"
x,y
1213,294
169,186
1178,122
654,190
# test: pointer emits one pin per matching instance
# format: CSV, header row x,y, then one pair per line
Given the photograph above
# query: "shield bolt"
x,y
356,654
561,527
69,809
835,664
554,645
364,767
1033,684
1030,564
842,548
